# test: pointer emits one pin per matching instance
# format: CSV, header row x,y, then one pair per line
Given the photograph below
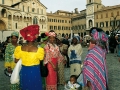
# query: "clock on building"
x,y
90,10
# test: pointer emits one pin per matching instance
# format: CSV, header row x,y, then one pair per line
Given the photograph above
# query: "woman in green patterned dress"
x,y
9,59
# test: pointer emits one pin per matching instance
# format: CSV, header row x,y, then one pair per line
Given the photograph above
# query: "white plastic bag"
x,y
80,79
15,74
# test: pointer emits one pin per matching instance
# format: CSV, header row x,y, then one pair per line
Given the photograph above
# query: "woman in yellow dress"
x,y
30,55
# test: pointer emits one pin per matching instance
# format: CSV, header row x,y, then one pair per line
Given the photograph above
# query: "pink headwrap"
x,y
99,35
52,34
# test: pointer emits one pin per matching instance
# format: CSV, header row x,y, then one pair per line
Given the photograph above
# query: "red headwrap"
x,y
30,33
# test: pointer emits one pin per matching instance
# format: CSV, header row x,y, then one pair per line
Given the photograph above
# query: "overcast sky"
x,y
70,5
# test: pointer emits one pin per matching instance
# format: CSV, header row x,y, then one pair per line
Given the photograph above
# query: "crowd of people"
x,y
55,52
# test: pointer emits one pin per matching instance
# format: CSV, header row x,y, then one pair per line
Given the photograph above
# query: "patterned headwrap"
x,y
30,33
15,33
78,38
101,38
52,34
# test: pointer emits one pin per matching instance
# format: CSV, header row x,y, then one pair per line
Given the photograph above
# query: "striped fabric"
x,y
94,69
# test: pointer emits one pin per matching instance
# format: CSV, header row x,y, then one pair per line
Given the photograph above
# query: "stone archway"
x,y
2,25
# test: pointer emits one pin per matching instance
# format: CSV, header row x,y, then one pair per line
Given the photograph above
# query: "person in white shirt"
x,y
74,52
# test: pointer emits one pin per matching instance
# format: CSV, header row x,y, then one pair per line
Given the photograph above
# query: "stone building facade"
x,y
17,14
60,22
108,18
79,23
97,15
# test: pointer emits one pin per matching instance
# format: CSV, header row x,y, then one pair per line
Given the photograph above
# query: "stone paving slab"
x,y
113,73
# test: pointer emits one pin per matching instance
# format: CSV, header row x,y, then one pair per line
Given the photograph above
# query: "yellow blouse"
x,y
29,58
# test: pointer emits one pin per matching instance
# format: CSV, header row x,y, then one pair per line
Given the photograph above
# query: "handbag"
x,y
43,69
14,79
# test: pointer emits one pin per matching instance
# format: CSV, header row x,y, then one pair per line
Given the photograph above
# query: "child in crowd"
x,y
72,84
92,44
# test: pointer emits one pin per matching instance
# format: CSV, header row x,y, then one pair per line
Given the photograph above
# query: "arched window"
x,y
33,9
9,17
35,21
3,13
90,23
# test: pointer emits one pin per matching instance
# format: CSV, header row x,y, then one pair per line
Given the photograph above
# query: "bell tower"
x,y
91,7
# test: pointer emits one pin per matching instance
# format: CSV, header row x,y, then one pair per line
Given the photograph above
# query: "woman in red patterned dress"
x,y
52,56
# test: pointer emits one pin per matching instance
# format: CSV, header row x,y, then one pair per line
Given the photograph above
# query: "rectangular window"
x,y
117,13
85,26
102,24
51,27
58,28
62,28
16,25
106,15
28,8
54,27
69,21
106,23
54,20
97,17
101,16
111,23
38,10
96,24
65,21
69,28
62,21
112,14
3,2
79,27
66,28
23,8
41,11
50,20
118,22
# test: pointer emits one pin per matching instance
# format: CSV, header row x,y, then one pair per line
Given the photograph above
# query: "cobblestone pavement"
x,y
113,73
